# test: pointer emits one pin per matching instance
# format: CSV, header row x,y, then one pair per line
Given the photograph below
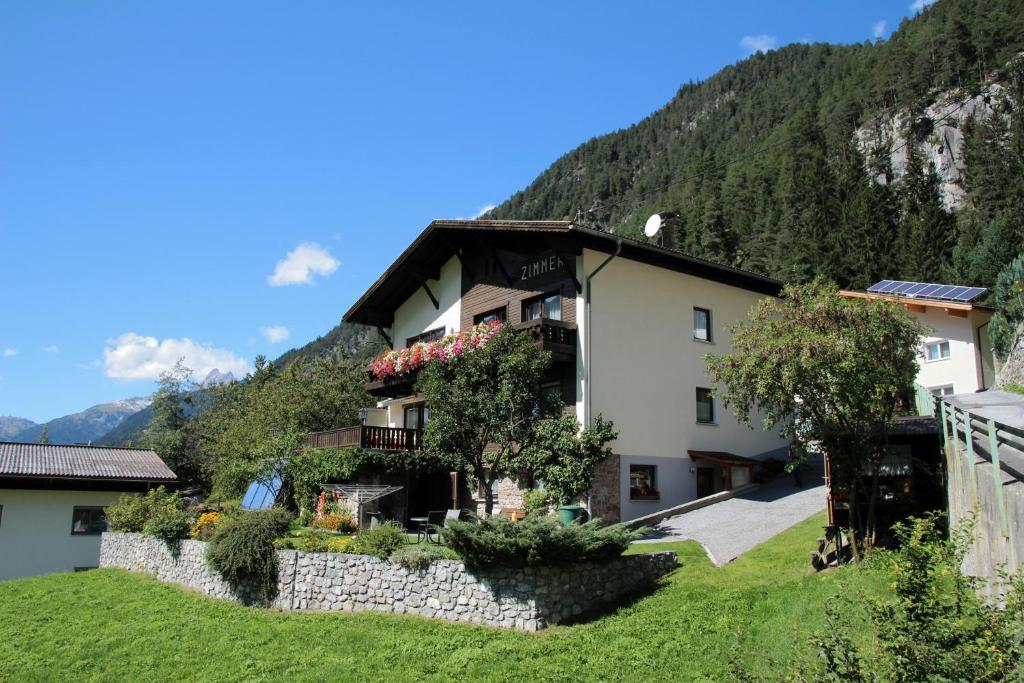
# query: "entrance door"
x,y
705,481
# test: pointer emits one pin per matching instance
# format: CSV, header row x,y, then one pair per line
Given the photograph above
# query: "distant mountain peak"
x,y
215,377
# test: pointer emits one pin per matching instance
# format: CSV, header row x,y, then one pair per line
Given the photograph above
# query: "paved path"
x,y
732,527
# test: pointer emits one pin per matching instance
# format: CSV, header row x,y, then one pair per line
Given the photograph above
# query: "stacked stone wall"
x,y
527,599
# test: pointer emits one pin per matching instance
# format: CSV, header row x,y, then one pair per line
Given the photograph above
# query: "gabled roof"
x,y
442,239
55,461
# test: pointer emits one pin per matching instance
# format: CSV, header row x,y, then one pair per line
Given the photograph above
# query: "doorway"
x,y
705,481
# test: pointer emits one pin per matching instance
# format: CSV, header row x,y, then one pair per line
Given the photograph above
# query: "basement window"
x,y
643,482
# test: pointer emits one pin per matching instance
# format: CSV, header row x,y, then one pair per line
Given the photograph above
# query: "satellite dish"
x,y
653,225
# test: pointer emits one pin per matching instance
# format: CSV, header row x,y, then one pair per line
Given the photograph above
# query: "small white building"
x,y
52,499
955,355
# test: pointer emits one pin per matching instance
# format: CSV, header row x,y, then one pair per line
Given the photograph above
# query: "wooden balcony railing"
x,y
363,436
556,336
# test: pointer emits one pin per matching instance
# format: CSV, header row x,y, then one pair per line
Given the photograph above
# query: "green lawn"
x,y
112,625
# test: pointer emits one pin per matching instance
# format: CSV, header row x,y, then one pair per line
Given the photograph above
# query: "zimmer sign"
x,y
540,267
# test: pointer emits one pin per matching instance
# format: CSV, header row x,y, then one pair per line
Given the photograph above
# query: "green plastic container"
x,y
567,514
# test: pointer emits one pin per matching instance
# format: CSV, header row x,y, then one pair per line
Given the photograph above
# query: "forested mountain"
x,y
827,160
10,425
83,427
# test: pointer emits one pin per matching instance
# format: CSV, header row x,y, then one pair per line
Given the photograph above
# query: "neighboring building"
x,y
956,355
52,499
628,325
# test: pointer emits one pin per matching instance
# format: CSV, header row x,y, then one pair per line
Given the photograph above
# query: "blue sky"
x,y
220,180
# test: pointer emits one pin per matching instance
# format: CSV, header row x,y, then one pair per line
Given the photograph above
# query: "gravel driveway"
x,y
732,527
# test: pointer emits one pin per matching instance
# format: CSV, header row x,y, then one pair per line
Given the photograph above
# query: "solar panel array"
x,y
924,290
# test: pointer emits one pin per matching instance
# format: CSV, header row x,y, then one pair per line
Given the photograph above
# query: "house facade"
x,y
628,325
955,356
52,499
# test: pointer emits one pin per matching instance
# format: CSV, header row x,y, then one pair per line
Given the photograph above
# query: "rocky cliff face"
x,y
937,133
1011,371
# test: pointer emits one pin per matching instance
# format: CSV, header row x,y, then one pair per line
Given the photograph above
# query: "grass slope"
x,y
112,625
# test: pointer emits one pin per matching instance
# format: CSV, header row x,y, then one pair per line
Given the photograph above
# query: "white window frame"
x,y
937,343
940,390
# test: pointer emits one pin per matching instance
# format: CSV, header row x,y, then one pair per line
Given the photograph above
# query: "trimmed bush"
x,y
421,556
130,513
242,550
497,542
170,526
381,541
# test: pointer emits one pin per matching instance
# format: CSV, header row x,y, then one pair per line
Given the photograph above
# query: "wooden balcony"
x,y
556,336
363,436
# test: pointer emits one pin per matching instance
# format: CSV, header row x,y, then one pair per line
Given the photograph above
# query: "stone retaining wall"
x,y
526,599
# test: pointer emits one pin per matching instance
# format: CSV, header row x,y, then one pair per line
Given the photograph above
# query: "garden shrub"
x,y
169,525
130,513
242,550
535,541
335,521
421,556
381,541
535,501
317,541
206,525
936,627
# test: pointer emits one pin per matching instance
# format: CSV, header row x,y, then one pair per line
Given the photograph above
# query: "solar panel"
x,y
925,290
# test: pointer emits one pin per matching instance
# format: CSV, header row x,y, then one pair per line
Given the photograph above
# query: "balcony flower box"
x,y
400,362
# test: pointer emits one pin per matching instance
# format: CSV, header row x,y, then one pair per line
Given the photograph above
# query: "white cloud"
x,y
52,348
919,5
132,356
275,333
758,43
483,209
301,264
8,352
879,28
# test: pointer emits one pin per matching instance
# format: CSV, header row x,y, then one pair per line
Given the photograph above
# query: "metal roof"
x,y
57,461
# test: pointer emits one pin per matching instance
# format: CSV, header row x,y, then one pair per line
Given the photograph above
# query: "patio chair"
x,y
452,515
435,519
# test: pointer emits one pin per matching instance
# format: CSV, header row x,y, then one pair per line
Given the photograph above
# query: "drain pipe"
x,y
587,299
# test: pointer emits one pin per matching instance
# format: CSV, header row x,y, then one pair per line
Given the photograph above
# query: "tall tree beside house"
x,y
44,436
174,432
832,373
491,417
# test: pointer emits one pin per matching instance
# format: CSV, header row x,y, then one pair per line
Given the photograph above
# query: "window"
x,y
701,324
492,316
84,569
643,482
416,416
705,406
428,336
88,521
936,350
942,391
546,306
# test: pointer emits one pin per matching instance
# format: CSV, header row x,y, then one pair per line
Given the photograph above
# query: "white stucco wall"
x,y
963,367
35,531
647,366
417,314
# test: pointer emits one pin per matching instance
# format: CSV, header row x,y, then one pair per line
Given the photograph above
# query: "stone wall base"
x,y
527,599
